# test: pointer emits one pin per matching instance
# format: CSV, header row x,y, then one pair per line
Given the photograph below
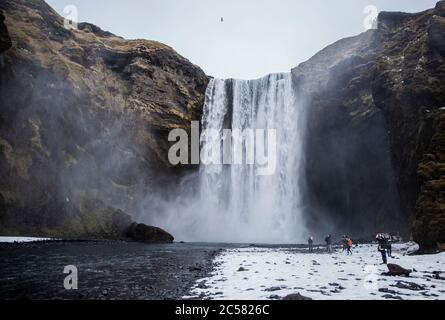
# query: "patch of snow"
x,y
22,239
276,273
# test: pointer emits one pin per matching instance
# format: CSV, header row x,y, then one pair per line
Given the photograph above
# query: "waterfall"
x,y
238,204
232,203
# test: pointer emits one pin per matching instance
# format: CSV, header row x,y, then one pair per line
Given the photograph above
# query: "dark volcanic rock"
x,y
409,286
85,114
296,296
386,290
5,40
144,233
396,270
347,144
436,34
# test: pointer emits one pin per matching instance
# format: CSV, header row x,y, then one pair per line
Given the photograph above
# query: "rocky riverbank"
x,y
107,270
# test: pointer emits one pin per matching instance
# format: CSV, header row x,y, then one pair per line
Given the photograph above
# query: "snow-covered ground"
x,y
22,239
264,273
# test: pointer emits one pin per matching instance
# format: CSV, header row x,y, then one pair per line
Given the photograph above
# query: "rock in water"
x,y
143,233
396,270
297,296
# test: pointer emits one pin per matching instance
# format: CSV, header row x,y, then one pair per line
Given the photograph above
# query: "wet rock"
x,y
396,270
425,294
296,297
143,233
409,286
389,296
202,285
386,290
271,289
195,268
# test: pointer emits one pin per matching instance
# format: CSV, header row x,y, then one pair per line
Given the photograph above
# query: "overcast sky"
x,y
257,37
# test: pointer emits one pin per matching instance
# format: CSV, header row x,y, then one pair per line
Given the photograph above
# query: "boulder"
x,y
143,233
396,270
296,296
409,286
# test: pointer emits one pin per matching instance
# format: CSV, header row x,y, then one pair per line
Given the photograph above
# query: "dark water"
x,y
106,270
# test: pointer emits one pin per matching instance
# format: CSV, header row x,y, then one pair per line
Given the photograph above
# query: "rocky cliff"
x,y
375,144
83,114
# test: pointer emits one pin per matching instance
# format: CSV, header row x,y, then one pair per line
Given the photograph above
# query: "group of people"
x,y
346,243
383,239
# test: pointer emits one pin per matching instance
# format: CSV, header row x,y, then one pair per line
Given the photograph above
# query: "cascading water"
x,y
232,202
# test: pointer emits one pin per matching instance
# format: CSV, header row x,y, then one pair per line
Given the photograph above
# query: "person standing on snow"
x,y
310,242
382,247
328,241
389,246
349,246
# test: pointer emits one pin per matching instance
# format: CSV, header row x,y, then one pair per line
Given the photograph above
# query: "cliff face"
x,y
409,87
349,181
84,121
376,112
